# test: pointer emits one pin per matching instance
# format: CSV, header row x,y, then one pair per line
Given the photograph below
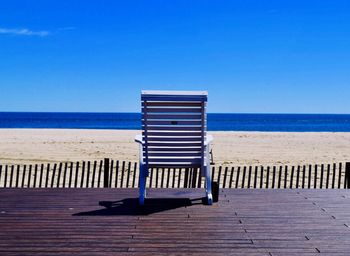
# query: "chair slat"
x,y
173,149
174,139
171,110
174,165
172,128
171,104
172,116
174,144
174,160
171,123
173,98
173,134
174,154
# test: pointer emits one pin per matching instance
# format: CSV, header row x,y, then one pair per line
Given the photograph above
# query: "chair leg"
x,y
142,187
208,189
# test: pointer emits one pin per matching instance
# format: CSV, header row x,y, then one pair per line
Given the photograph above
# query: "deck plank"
x,y
174,222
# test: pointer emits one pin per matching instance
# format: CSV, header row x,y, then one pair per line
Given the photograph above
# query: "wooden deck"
x,y
244,222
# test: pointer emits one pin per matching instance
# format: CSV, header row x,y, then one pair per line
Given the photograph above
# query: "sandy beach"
x,y
22,146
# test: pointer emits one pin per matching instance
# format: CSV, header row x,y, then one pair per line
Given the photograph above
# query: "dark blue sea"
x,y
216,122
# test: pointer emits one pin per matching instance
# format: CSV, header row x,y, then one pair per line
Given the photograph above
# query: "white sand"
x,y
243,148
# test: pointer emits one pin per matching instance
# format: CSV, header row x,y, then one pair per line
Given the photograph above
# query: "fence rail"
x,y
122,174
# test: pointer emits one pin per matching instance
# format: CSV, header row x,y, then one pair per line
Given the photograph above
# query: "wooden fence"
x,y
121,174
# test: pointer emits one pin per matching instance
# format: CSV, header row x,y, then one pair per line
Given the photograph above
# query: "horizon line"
x,y
238,113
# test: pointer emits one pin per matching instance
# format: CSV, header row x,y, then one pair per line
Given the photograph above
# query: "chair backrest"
x,y
174,128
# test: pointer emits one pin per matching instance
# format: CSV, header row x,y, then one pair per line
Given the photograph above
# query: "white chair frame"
x,y
165,127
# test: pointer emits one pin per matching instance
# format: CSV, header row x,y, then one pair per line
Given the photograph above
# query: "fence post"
x,y
215,191
106,173
347,175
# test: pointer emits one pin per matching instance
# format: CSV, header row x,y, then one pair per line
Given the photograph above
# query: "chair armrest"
x,y
209,138
138,139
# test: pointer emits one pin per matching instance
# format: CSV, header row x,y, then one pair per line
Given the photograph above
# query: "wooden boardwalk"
x,y
244,222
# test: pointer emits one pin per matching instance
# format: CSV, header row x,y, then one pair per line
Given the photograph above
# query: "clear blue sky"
x,y
252,56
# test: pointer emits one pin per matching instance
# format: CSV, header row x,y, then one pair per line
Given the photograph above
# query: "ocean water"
x,y
216,122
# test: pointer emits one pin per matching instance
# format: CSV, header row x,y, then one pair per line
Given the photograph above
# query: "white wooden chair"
x,y
174,135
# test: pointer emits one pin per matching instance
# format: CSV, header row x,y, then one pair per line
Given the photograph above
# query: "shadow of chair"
x,y
130,206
